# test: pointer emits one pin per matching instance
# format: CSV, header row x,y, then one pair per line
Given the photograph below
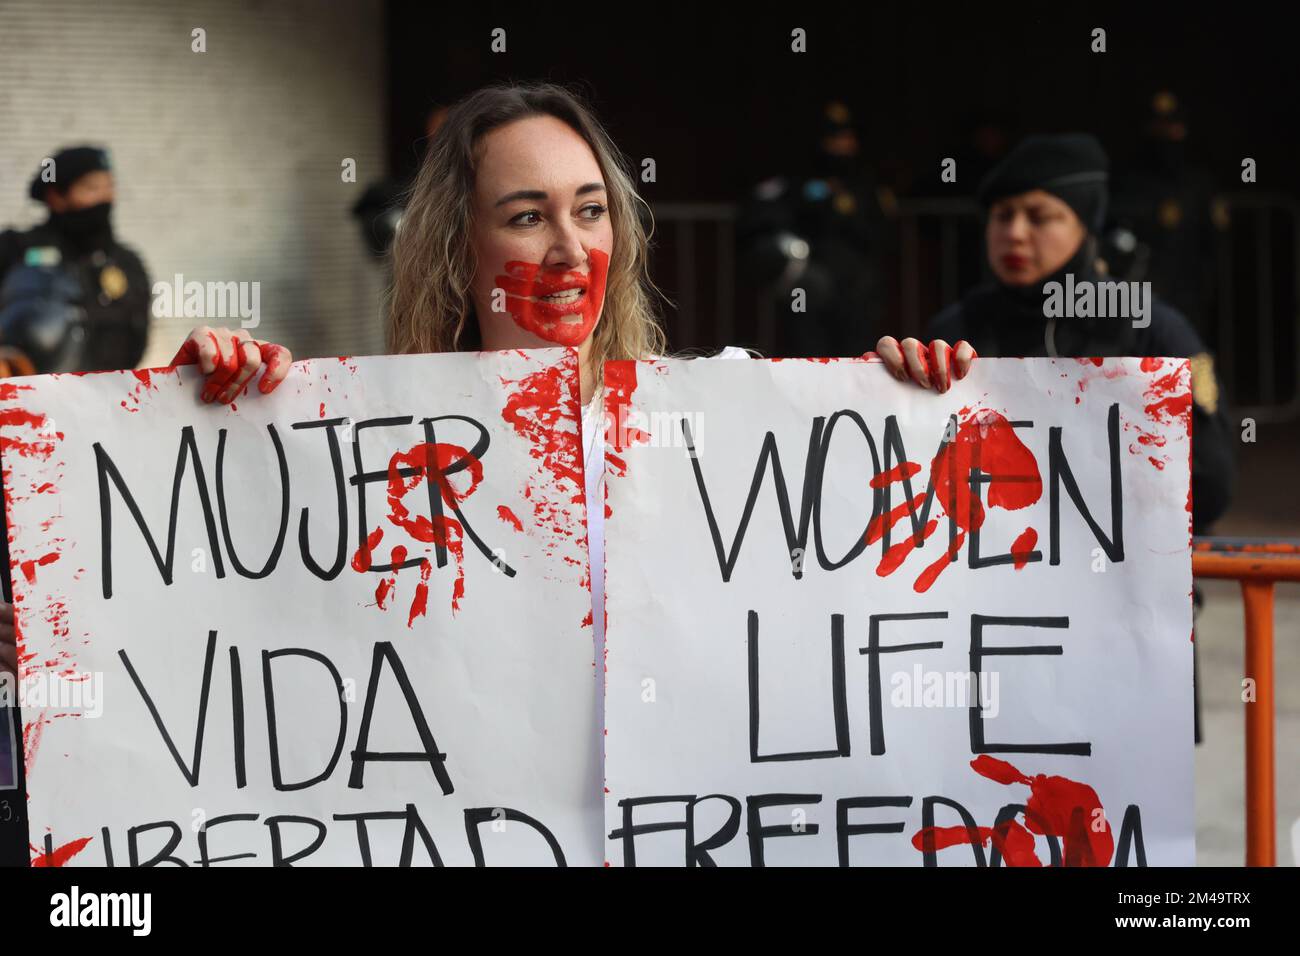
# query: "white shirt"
x,y
593,442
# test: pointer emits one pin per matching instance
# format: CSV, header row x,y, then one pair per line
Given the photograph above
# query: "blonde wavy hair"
x,y
430,308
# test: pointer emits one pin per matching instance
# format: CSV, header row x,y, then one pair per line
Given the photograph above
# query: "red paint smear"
x,y
1010,838
322,409
60,855
524,282
620,383
984,440
9,391
905,470
535,410
1171,397
508,516
385,585
144,383
896,554
1150,364
19,417
1057,806
928,576
361,560
29,566
544,409
421,599
437,458
876,529
439,530
33,730
1022,546
1170,408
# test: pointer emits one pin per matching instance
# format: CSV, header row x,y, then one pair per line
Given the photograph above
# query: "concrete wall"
x,y
228,161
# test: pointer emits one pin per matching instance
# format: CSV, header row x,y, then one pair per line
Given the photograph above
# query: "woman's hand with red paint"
x,y
8,641
230,358
936,366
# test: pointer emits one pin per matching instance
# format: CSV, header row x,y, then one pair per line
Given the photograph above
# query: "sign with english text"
x,y
348,622
854,622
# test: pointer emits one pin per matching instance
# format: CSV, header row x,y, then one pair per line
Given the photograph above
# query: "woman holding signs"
x,y
556,255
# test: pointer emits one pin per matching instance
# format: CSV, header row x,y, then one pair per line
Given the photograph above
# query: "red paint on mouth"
x,y
525,283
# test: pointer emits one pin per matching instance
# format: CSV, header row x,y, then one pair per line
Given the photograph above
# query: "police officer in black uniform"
x,y
1046,204
1006,316
73,298
821,235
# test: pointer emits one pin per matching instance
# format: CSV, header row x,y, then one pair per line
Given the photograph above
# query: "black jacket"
x,y
115,293
997,322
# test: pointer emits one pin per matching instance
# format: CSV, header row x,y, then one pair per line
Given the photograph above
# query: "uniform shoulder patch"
x,y
42,256
1205,387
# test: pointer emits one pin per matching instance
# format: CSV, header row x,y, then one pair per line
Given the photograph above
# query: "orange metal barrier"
x,y
1258,565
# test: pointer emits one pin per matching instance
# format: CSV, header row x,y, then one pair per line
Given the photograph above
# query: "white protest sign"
x,y
857,622
346,622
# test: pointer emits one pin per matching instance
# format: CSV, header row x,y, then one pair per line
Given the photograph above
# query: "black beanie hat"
x,y
70,165
1073,167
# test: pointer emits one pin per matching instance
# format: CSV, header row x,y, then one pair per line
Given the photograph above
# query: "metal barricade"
x,y
1258,564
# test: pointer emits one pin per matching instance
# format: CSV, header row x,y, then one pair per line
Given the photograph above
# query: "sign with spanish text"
x,y
348,622
856,622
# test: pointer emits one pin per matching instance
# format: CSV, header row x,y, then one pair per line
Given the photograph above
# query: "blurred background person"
x,y
72,297
1167,200
823,234
1045,207
379,210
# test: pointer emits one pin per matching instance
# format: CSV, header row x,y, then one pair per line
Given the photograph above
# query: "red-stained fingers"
x,y
963,354
891,353
277,360
917,360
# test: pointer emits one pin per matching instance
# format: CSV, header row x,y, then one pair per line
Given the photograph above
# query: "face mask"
x,y
82,224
